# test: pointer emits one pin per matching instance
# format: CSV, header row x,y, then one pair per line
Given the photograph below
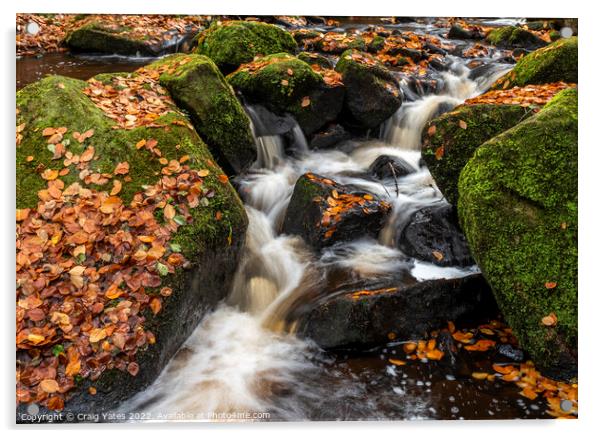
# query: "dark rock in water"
x,y
518,198
387,166
457,32
437,64
370,317
413,54
555,62
519,52
372,92
513,36
329,137
324,212
198,87
433,235
104,37
510,352
377,44
285,84
433,49
272,124
484,70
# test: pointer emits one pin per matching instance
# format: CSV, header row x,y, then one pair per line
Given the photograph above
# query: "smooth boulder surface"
x,y
287,85
375,316
457,32
518,208
58,101
447,146
324,212
100,37
387,166
432,234
232,43
197,86
372,92
510,37
553,63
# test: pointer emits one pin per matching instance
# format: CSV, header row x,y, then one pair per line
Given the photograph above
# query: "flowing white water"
x,y
239,359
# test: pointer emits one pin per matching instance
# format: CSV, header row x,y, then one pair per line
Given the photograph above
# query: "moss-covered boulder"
x,y
518,208
553,63
372,92
457,32
197,86
91,139
449,141
285,84
315,59
96,35
324,212
232,43
513,36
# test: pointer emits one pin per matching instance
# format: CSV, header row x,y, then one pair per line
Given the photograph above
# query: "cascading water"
x,y
242,357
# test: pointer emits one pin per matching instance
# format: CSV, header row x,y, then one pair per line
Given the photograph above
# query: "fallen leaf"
x,y
305,102
549,320
49,385
550,285
432,130
462,124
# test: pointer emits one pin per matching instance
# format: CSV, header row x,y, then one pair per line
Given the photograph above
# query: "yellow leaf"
x,y
97,334
49,386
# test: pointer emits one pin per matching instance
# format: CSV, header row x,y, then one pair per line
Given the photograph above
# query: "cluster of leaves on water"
x,y
337,204
51,31
88,264
483,340
526,96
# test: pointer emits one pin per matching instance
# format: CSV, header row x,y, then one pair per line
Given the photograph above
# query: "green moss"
x,y
556,62
198,87
44,104
376,44
232,43
95,37
458,145
518,207
282,82
514,36
314,59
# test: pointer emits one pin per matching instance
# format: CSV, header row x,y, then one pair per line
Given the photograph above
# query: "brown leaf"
x,y
432,130
49,385
550,320
305,102
439,152
116,187
462,124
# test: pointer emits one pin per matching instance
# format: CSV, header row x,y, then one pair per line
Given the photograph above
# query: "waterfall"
x,y
245,356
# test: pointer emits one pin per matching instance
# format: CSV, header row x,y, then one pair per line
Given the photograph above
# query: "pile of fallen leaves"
x,y
51,31
485,338
523,96
88,264
337,204
136,99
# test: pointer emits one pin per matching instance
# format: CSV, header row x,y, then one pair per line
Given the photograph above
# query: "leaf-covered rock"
x,y
553,63
285,84
518,208
196,85
324,212
447,146
126,197
232,43
372,93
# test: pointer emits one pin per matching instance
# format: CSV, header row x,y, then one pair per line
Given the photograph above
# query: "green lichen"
x,y
198,87
518,207
232,43
555,62
456,145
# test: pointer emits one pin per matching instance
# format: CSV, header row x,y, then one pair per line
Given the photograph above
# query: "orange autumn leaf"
x,y
97,334
116,187
549,320
482,345
550,284
432,130
397,362
434,354
110,204
22,214
439,152
122,168
73,368
169,212
141,144
462,124
223,178
305,102
503,369
155,305
49,386
50,174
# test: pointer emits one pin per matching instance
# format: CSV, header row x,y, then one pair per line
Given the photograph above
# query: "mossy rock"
x,y
518,207
376,45
553,63
233,43
285,84
372,94
99,37
315,59
513,36
448,147
198,87
212,247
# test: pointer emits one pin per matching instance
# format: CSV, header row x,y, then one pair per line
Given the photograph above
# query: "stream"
x,y
245,362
